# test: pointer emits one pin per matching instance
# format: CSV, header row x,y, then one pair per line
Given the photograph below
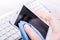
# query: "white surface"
x,y
8,6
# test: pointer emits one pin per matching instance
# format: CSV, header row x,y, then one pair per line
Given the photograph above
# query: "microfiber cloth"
x,y
23,33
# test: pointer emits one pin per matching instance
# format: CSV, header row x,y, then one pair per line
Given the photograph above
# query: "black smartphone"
x,y
28,16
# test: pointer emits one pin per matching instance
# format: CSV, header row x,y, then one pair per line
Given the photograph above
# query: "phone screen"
x,y
28,16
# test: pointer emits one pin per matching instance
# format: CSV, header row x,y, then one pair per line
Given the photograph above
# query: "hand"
x,y
32,34
50,20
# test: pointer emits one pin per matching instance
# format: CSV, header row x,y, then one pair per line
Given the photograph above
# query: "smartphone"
x,y
28,16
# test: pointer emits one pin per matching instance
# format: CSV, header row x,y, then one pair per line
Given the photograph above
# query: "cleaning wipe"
x,y
23,33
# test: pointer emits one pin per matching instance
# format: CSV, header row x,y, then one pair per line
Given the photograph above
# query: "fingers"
x,y
32,34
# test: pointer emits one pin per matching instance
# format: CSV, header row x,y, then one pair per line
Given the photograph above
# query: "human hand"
x,y
31,33
53,22
50,20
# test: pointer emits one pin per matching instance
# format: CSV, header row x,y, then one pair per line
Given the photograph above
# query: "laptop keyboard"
x,y
37,5
8,31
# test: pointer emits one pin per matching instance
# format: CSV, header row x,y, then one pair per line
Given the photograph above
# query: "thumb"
x,y
32,34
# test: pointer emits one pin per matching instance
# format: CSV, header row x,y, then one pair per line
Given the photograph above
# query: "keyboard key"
x,y
16,36
2,32
3,37
10,38
11,32
7,29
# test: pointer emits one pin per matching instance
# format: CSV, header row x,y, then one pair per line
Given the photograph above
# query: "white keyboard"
x,y
37,5
7,30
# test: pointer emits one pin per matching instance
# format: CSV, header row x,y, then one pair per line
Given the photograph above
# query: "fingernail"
x,y
26,26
